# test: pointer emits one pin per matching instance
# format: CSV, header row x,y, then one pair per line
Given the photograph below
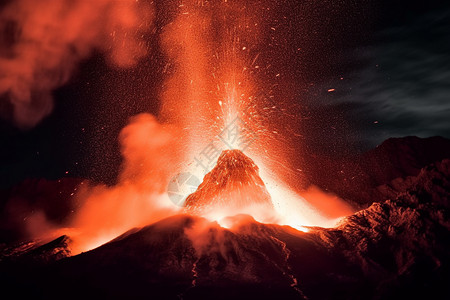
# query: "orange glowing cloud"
x,y
328,204
41,43
150,152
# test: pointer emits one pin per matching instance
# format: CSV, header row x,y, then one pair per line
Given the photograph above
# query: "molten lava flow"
x,y
232,187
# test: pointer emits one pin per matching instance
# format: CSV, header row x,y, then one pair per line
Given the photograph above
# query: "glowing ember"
x,y
232,186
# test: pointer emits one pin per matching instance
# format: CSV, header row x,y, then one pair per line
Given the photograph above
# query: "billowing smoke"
x,y
150,154
41,42
328,204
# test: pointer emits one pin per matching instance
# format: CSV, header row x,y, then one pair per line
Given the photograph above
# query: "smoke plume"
x,y
150,152
41,42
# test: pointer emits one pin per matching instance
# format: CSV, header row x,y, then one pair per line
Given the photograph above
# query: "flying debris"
x,y
233,186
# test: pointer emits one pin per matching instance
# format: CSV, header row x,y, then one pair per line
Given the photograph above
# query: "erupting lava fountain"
x,y
233,186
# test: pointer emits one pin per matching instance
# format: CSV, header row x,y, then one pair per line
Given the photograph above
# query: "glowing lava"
x,y
216,96
232,187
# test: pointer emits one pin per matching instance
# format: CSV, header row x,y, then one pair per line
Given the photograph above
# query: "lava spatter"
x,y
232,187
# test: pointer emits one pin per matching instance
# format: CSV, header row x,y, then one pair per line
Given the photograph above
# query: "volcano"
x,y
395,248
232,186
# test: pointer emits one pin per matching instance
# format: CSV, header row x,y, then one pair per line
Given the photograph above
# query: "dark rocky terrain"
x,y
396,248
365,178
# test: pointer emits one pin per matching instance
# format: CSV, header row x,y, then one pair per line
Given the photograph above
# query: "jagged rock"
x,y
378,174
37,252
233,184
392,240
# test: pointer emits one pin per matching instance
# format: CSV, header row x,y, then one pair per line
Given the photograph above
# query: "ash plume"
x,y
41,42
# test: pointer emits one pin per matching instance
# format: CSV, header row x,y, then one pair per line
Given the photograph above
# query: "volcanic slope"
x,y
232,186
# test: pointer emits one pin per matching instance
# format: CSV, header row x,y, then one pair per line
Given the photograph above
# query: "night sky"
x,y
368,71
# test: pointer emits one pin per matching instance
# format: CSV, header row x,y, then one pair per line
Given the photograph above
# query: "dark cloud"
x,y
401,85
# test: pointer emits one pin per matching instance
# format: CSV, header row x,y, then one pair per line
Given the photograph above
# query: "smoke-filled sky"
x,y
358,73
